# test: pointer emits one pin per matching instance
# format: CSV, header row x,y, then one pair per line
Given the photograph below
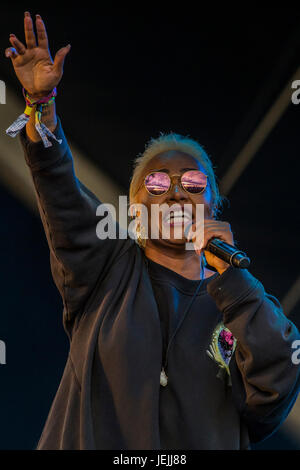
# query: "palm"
x,y
33,65
35,71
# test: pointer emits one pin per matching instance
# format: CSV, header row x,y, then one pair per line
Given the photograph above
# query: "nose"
x,y
176,192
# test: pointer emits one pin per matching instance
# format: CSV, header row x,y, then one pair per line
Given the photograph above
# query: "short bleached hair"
x,y
171,141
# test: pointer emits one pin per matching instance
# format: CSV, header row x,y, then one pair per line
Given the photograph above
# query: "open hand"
x,y
33,64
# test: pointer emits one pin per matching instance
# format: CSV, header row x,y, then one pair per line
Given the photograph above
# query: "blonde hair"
x,y
172,141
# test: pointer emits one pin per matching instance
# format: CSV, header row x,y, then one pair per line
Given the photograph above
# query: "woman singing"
x,y
170,348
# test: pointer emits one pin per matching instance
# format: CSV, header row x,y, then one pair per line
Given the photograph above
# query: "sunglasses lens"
x,y
157,183
194,181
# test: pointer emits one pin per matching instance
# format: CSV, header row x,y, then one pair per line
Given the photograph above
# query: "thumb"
x,y
59,59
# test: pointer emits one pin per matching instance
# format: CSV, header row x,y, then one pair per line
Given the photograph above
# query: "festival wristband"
x,y
22,120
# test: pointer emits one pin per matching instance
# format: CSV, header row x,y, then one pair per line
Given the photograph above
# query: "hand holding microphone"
x,y
218,245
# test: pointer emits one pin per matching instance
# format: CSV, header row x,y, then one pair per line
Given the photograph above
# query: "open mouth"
x,y
177,217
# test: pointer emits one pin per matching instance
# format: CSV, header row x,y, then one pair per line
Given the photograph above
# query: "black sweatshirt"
x,y
118,318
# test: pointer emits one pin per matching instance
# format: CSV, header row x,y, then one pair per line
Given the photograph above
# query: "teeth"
x,y
178,216
178,219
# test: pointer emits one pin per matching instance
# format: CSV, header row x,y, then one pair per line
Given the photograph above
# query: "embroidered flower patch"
x,y
221,350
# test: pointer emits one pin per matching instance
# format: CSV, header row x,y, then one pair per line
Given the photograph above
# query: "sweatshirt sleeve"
x,y
68,213
265,380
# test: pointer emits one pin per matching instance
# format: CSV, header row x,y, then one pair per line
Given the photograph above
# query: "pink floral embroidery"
x,y
222,348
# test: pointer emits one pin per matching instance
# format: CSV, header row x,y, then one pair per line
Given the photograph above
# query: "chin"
x,y
176,233
173,241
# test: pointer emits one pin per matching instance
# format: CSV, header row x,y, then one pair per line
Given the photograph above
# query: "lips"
x,y
178,217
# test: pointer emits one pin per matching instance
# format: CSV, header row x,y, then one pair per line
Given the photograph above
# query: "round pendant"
x,y
163,378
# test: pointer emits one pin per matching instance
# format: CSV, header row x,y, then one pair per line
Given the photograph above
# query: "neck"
x,y
186,263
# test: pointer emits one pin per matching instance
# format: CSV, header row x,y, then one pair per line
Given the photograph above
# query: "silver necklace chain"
x,y
163,375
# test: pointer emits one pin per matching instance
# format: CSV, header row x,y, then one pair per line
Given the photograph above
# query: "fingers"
x,y
29,33
17,49
18,45
207,224
203,233
196,228
60,58
223,234
11,53
41,32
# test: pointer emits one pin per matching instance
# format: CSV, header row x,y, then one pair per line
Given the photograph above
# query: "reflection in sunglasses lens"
x,y
157,183
194,181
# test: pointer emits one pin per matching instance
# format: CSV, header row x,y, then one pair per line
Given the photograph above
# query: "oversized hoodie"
x,y
118,314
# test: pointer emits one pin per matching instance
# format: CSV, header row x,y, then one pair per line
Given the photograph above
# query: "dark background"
x,y
131,74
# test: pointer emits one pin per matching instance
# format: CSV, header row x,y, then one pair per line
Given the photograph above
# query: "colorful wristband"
x,y
44,100
22,120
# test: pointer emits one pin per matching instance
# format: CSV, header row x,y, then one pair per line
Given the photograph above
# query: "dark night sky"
x,y
130,75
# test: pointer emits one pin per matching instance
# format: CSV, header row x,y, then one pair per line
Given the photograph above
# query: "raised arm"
x,y
67,208
36,70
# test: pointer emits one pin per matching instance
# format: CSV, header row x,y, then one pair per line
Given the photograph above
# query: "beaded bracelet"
x,y
22,120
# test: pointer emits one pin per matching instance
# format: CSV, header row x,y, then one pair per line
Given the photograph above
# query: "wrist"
x,y
37,96
222,270
39,118
42,98
49,115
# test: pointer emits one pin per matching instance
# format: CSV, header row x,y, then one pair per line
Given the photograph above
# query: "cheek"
x,y
143,197
205,199
144,202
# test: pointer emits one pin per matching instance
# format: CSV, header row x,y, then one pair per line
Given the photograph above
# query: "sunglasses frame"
x,y
170,185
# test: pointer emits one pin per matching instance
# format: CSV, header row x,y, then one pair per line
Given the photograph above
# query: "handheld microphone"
x,y
228,253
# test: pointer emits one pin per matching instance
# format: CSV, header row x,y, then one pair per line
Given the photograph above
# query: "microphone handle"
x,y
228,253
